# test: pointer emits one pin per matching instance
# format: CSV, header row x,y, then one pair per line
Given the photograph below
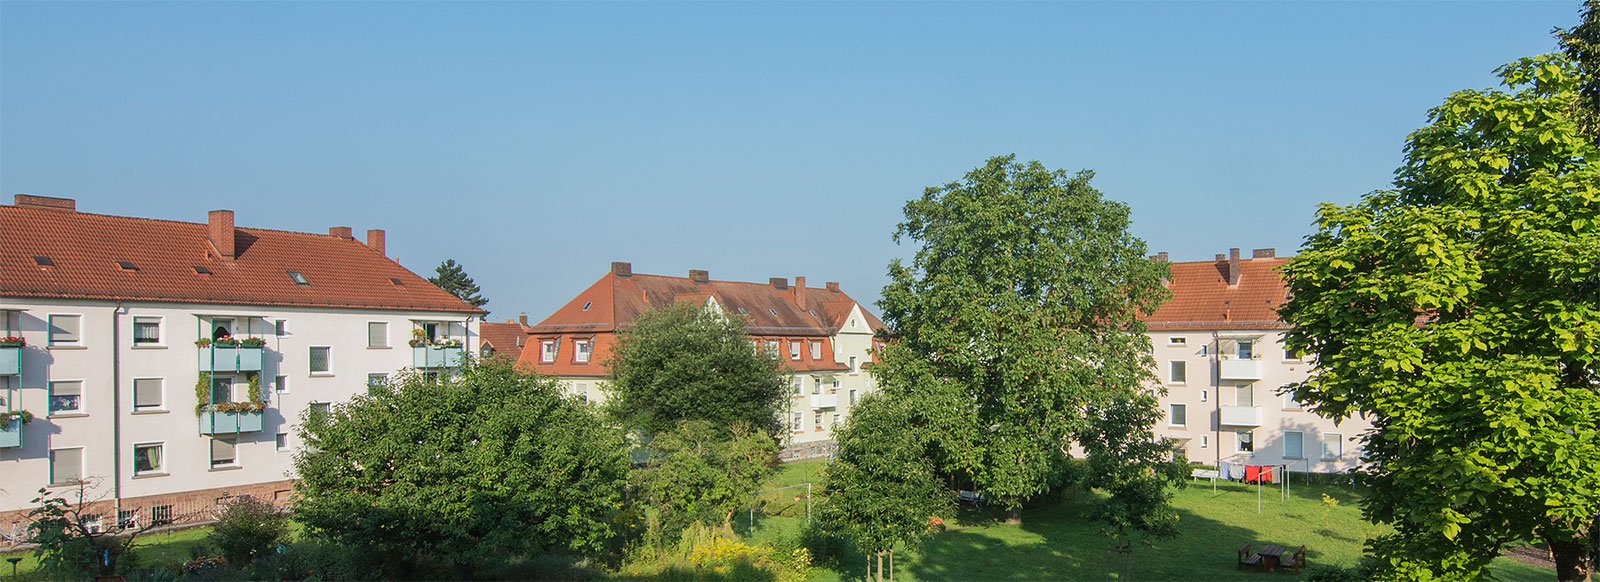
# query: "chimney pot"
x,y
50,202
779,283
1233,267
376,240
622,269
800,292
832,286
1222,257
700,276
1263,253
523,318
340,231
220,223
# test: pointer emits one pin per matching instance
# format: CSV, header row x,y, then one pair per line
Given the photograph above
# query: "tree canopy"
x,y
1460,312
685,362
487,463
702,472
1020,310
452,278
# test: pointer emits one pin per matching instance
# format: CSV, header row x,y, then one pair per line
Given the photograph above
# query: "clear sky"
x,y
536,142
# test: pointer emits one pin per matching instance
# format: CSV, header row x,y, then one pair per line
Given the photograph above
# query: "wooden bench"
x,y
1248,558
1296,560
970,498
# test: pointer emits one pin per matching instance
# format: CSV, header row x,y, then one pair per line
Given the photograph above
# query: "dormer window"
x,y
794,350
299,279
816,350
580,351
547,351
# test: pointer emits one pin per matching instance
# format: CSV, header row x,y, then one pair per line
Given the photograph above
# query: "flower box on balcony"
x,y
436,356
230,358
10,360
218,422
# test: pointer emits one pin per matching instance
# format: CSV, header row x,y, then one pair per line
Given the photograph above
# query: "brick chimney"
x,y
47,202
779,283
376,240
800,292
522,318
622,269
1221,257
1233,267
1160,257
340,231
833,286
221,227
700,276
1263,253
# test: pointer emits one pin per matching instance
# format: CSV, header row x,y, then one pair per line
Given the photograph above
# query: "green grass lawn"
x,y
153,548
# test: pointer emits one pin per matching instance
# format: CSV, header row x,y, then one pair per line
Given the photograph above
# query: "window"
x,y
834,387
64,329
772,347
127,518
318,410
1179,416
852,397
1205,349
319,360
1294,444
819,420
160,514
1180,371
547,351
146,331
224,452
587,304
221,389
580,351
147,394
795,422
377,334
147,459
1246,349
92,523
794,350
375,381
280,384
298,278
799,385
1289,403
66,397
816,350
816,384
1205,441
1291,355
854,368
1243,394
1332,446
66,465
281,442
1205,395
1247,441
834,418
280,328
1177,341
582,388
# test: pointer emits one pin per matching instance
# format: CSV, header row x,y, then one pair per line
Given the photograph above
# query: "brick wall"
x,y
185,507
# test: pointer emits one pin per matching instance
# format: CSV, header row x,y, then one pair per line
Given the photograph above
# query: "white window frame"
x,y
83,458
162,392
547,350
385,345
381,377
582,350
773,347
1205,441
1177,341
211,453
796,423
1289,403
280,442
1289,356
816,384
1172,372
1286,450
280,384
1172,415
1337,439
280,327
852,397
327,361
1242,352
1239,441
161,332
816,350
834,387
819,420
855,365
160,469
1247,388
1205,395
49,330
799,385
794,350
50,392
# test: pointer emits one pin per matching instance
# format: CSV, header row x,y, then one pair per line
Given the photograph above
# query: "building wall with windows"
x,y
113,371
1218,347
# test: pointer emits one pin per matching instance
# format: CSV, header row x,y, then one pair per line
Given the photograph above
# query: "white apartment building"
x,y
824,337
1219,353
168,363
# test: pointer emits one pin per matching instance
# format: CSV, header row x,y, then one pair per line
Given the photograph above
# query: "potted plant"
x,y
204,342
7,417
252,342
12,341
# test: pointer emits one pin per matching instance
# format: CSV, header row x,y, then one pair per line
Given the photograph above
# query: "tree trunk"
x,y
1572,559
880,565
1014,516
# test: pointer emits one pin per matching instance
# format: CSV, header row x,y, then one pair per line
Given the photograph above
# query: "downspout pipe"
x,y
1216,395
116,403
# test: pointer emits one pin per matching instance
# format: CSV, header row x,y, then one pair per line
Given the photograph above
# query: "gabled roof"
x,y
85,249
615,300
506,338
1202,298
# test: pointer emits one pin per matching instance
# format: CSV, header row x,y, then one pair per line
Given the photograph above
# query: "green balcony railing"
x,y
436,356
10,360
230,359
213,422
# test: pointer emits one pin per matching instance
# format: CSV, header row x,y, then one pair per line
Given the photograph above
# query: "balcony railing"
x,y
11,434
824,400
230,358
213,422
10,360
1240,416
436,356
1237,369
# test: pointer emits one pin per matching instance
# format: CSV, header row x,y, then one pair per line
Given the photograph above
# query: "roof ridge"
x,y
173,221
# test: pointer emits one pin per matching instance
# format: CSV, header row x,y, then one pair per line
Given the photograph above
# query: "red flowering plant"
x,y
12,341
6,417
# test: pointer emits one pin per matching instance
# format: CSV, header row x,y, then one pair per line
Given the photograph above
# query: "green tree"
x,y
1135,469
68,548
450,277
1460,312
702,472
1581,44
249,528
684,362
479,466
1022,309
880,488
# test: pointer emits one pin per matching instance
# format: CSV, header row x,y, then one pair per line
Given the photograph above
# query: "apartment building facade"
x,y
824,337
167,364
1219,354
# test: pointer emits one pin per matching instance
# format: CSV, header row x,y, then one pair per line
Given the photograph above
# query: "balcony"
x,y
1240,416
10,360
1237,369
230,359
436,356
11,434
213,422
824,400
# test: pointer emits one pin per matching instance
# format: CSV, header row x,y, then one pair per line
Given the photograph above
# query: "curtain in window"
x,y
146,331
146,459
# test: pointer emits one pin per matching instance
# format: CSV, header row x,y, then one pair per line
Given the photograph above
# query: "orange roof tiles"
x,y
1202,298
505,338
85,249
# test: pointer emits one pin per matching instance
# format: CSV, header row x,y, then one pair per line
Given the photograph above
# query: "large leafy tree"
x,y
1461,313
1581,44
486,464
1021,310
703,472
685,362
452,278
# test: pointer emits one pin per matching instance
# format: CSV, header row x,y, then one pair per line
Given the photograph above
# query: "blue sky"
x,y
537,142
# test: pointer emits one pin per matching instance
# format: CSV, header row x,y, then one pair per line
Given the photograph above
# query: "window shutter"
x,y
66,465
147,393
377,334
221,451
63,329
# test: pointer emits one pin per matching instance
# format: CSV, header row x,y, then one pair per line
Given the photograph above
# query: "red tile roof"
x,y
506,338
85,249
1203,300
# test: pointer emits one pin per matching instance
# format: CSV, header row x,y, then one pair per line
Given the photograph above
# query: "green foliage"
x,y
249,528
315,559
685,362
1133,467
881,489
702,473
1020,310
486,463
1581,44
67,548
1461,313
450,277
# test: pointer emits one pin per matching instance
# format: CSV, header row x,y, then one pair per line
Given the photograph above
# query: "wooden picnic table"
x,y
1271,555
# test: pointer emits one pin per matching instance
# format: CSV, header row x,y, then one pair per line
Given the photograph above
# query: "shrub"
x,y
311,560
249,528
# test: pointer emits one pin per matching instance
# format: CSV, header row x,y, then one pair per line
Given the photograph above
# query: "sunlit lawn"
x,y
153,548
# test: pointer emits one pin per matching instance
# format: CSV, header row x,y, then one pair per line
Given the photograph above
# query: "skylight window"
x,y
127,266
299,279
586,305
397,282
743,312
199,270
43,261
774,311
813,312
